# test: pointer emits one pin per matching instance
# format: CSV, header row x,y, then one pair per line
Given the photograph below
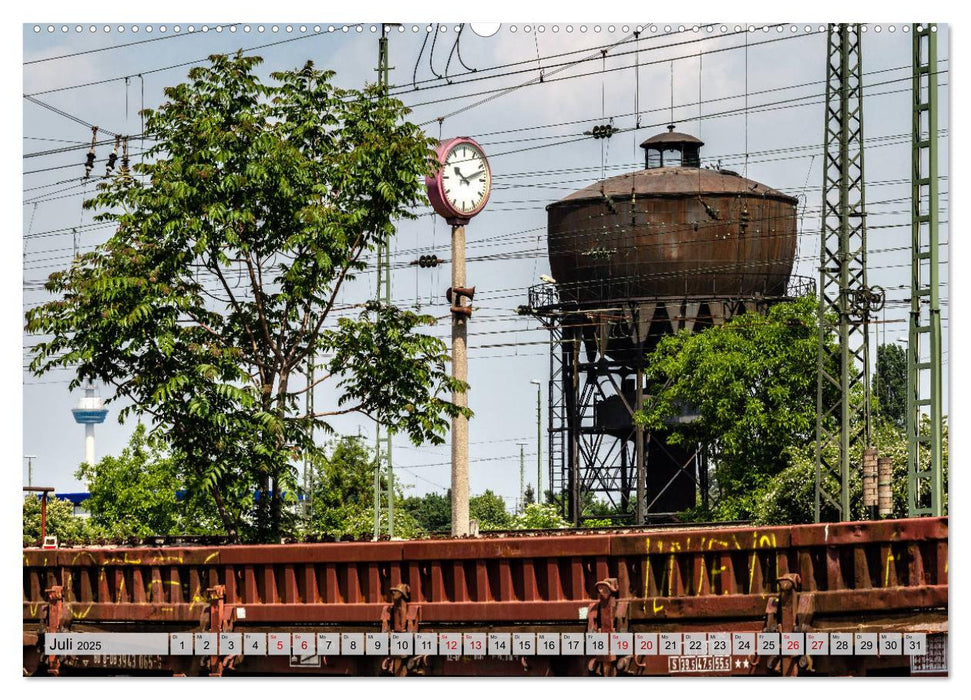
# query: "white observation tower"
x,y
89,412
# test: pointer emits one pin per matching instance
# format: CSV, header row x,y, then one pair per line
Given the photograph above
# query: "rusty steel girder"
x,y
702,574
877,575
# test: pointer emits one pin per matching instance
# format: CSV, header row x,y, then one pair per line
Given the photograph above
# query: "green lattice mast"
x,y
382,440
845,300
925,483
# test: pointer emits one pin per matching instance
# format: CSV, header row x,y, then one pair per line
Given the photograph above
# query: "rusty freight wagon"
x,y
862,577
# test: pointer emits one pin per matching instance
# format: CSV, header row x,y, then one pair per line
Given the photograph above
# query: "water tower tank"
x,y
674,229
637,258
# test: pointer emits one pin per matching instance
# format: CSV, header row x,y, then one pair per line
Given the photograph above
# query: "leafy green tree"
x,y
789,497
890,384
142,492
360,525
61,522
233,239
343,488
433,511
593,512
490,510
529,494
752,382
539,516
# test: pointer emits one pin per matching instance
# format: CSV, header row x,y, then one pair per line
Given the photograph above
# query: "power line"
x,y
122,46
66,115
167,68
500,92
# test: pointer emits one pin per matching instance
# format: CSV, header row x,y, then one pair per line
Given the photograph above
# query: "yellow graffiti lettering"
x,y
81,614
751,573
115,561
167,559
765,541
210,557
735,540
886,571
657,608
33,609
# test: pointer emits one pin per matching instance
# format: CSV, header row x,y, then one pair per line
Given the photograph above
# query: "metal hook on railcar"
x,y
606,615
401,616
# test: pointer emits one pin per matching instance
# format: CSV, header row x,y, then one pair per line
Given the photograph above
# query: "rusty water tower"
x,y
675,246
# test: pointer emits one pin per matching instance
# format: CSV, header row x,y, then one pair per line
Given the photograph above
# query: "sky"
x,y
38,418
764,100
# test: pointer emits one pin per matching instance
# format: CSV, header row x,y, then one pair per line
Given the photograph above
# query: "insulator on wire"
x,y
602,131
89,163
113,158
427,261
124,157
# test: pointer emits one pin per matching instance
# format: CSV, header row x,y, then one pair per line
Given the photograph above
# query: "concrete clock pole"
x,y
459,190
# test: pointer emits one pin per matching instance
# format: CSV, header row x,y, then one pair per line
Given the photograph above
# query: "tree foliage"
x,y
490,510
890,384
752,382
342,488
433,511
539,516
789,497
144,492
342,495
232,241
61,522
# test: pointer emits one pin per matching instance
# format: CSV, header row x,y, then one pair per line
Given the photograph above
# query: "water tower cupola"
x,y
672,150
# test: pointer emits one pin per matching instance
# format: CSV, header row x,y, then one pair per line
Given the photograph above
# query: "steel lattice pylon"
x,y
382,437
845,300
925,488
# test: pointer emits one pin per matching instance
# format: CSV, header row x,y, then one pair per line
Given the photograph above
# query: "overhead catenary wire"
x,y
162,69
87,52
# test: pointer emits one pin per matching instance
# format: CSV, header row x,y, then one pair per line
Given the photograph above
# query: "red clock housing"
x,y
437,188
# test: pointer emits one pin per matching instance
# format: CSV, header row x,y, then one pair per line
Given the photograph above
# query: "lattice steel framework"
x,y
845,301
925,484
383,496
594,443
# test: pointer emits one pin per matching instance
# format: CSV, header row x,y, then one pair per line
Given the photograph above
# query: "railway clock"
x,y
460,188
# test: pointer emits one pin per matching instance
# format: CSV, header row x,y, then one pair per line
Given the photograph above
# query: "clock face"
x,y
466,179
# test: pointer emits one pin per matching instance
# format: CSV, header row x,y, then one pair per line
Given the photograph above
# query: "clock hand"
x,y
461,176
475,174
